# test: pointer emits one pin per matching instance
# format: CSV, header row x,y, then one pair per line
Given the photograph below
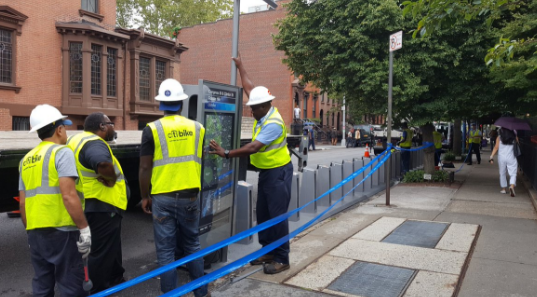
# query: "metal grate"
x,y
21,124
416,233
144,79
6,56
160,74
96,54
373,280
75,67
111,72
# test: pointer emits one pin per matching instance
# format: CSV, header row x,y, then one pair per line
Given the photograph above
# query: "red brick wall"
x,y
209,56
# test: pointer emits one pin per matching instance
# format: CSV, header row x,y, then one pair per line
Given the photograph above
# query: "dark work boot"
x,y
262,260
275,267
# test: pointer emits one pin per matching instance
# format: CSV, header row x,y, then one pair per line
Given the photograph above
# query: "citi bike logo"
x,y
180,134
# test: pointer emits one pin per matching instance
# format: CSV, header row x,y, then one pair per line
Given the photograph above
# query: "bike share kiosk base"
x,y
218,107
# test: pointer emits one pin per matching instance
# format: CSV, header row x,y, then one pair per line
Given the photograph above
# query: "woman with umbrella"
x,y
505,143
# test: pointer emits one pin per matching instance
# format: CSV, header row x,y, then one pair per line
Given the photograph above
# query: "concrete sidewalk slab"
x,y
427,198
499,209
255,288
428,283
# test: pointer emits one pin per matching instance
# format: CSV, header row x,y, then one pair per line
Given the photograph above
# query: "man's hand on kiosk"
x,y
216,149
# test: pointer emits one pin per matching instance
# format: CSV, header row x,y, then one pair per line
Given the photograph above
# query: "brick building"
x,y
69,53
209,57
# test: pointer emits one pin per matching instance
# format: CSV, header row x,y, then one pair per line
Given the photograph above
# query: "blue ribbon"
x,y
426,145
232,239
246,259
468,154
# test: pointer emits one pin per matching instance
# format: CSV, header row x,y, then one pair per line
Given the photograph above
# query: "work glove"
x,y
84,242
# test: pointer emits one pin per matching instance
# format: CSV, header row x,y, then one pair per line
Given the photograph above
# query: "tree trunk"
x,y
457,136
428,161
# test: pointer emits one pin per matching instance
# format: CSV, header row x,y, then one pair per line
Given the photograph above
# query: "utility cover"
x,y
373,280
417,233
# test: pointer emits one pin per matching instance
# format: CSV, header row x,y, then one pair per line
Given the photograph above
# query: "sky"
x,y
249,3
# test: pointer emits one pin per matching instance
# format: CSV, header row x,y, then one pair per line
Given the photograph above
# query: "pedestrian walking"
x,y
507,162
51,209
349,139
333,135
406,143
296,113
311,139
102,182
437,138
170,164
493,135
268,152
358,137
474,140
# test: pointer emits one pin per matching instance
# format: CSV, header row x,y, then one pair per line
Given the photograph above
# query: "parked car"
x,y
366,135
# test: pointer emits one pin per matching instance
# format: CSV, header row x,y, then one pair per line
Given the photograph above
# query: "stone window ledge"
x,y
10,87
82,12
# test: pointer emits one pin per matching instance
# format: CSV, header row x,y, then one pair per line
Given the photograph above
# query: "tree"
x,y
344,50
161,16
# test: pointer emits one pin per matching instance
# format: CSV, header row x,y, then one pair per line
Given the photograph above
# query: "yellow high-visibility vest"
x,y
437,138
408,141
87,180
275,154
473,134
178,152
43,203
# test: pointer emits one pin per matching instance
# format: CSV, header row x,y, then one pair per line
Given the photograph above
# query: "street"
x,y
137,236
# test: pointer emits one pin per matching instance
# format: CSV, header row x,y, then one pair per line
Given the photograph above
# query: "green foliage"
x,y
440,176
449,156
415,176
160,17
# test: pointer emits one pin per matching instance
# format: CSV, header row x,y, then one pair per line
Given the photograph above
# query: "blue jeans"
x,y
177,217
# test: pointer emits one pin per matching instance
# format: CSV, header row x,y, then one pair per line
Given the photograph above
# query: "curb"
x,y
531,192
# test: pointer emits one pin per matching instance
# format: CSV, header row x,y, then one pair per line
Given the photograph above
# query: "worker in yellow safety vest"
x,y
268,152
474,140
51,209
170,164
405,143
103,184
437,138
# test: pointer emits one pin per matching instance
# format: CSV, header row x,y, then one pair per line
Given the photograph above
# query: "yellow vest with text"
x,y
276,153
473,134
408,141
437,138
87,181
178,152
43,203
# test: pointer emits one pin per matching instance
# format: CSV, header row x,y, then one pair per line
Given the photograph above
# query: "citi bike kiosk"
x,y
218,107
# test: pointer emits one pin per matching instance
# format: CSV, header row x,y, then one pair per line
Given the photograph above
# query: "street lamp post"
x,y
343,140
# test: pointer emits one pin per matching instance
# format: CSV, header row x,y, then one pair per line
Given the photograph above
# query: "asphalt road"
x,y
137,235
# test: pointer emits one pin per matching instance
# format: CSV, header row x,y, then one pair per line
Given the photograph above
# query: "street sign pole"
x,y
235,40
396,42
343,143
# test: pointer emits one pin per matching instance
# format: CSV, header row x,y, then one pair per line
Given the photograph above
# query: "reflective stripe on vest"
x,y
437,138
88,183
276,153
43,200
177,157
408,141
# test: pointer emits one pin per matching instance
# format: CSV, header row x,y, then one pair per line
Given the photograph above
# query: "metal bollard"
x,y
295,197
367,182
336,176
323,185
347,171
244,210
358,164
308,190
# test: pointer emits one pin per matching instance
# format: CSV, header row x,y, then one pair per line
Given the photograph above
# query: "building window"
x,y
145,84
21,124
313,115
96,53
111,72
75,67
90,5
160,74
6,56
306,96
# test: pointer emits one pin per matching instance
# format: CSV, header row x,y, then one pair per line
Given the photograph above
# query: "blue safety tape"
x,y
225,174
425,145
246,259
232,239
468,154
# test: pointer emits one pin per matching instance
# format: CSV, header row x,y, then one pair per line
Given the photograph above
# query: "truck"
x,y
381,138
16,144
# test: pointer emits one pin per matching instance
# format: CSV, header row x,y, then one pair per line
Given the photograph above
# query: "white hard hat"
x,y
259,95
171,90
45,114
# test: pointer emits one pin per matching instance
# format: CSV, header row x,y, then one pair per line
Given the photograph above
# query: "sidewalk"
x,y
463,240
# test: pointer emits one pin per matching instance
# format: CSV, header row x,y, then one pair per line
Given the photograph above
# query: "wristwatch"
x,y
226,153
